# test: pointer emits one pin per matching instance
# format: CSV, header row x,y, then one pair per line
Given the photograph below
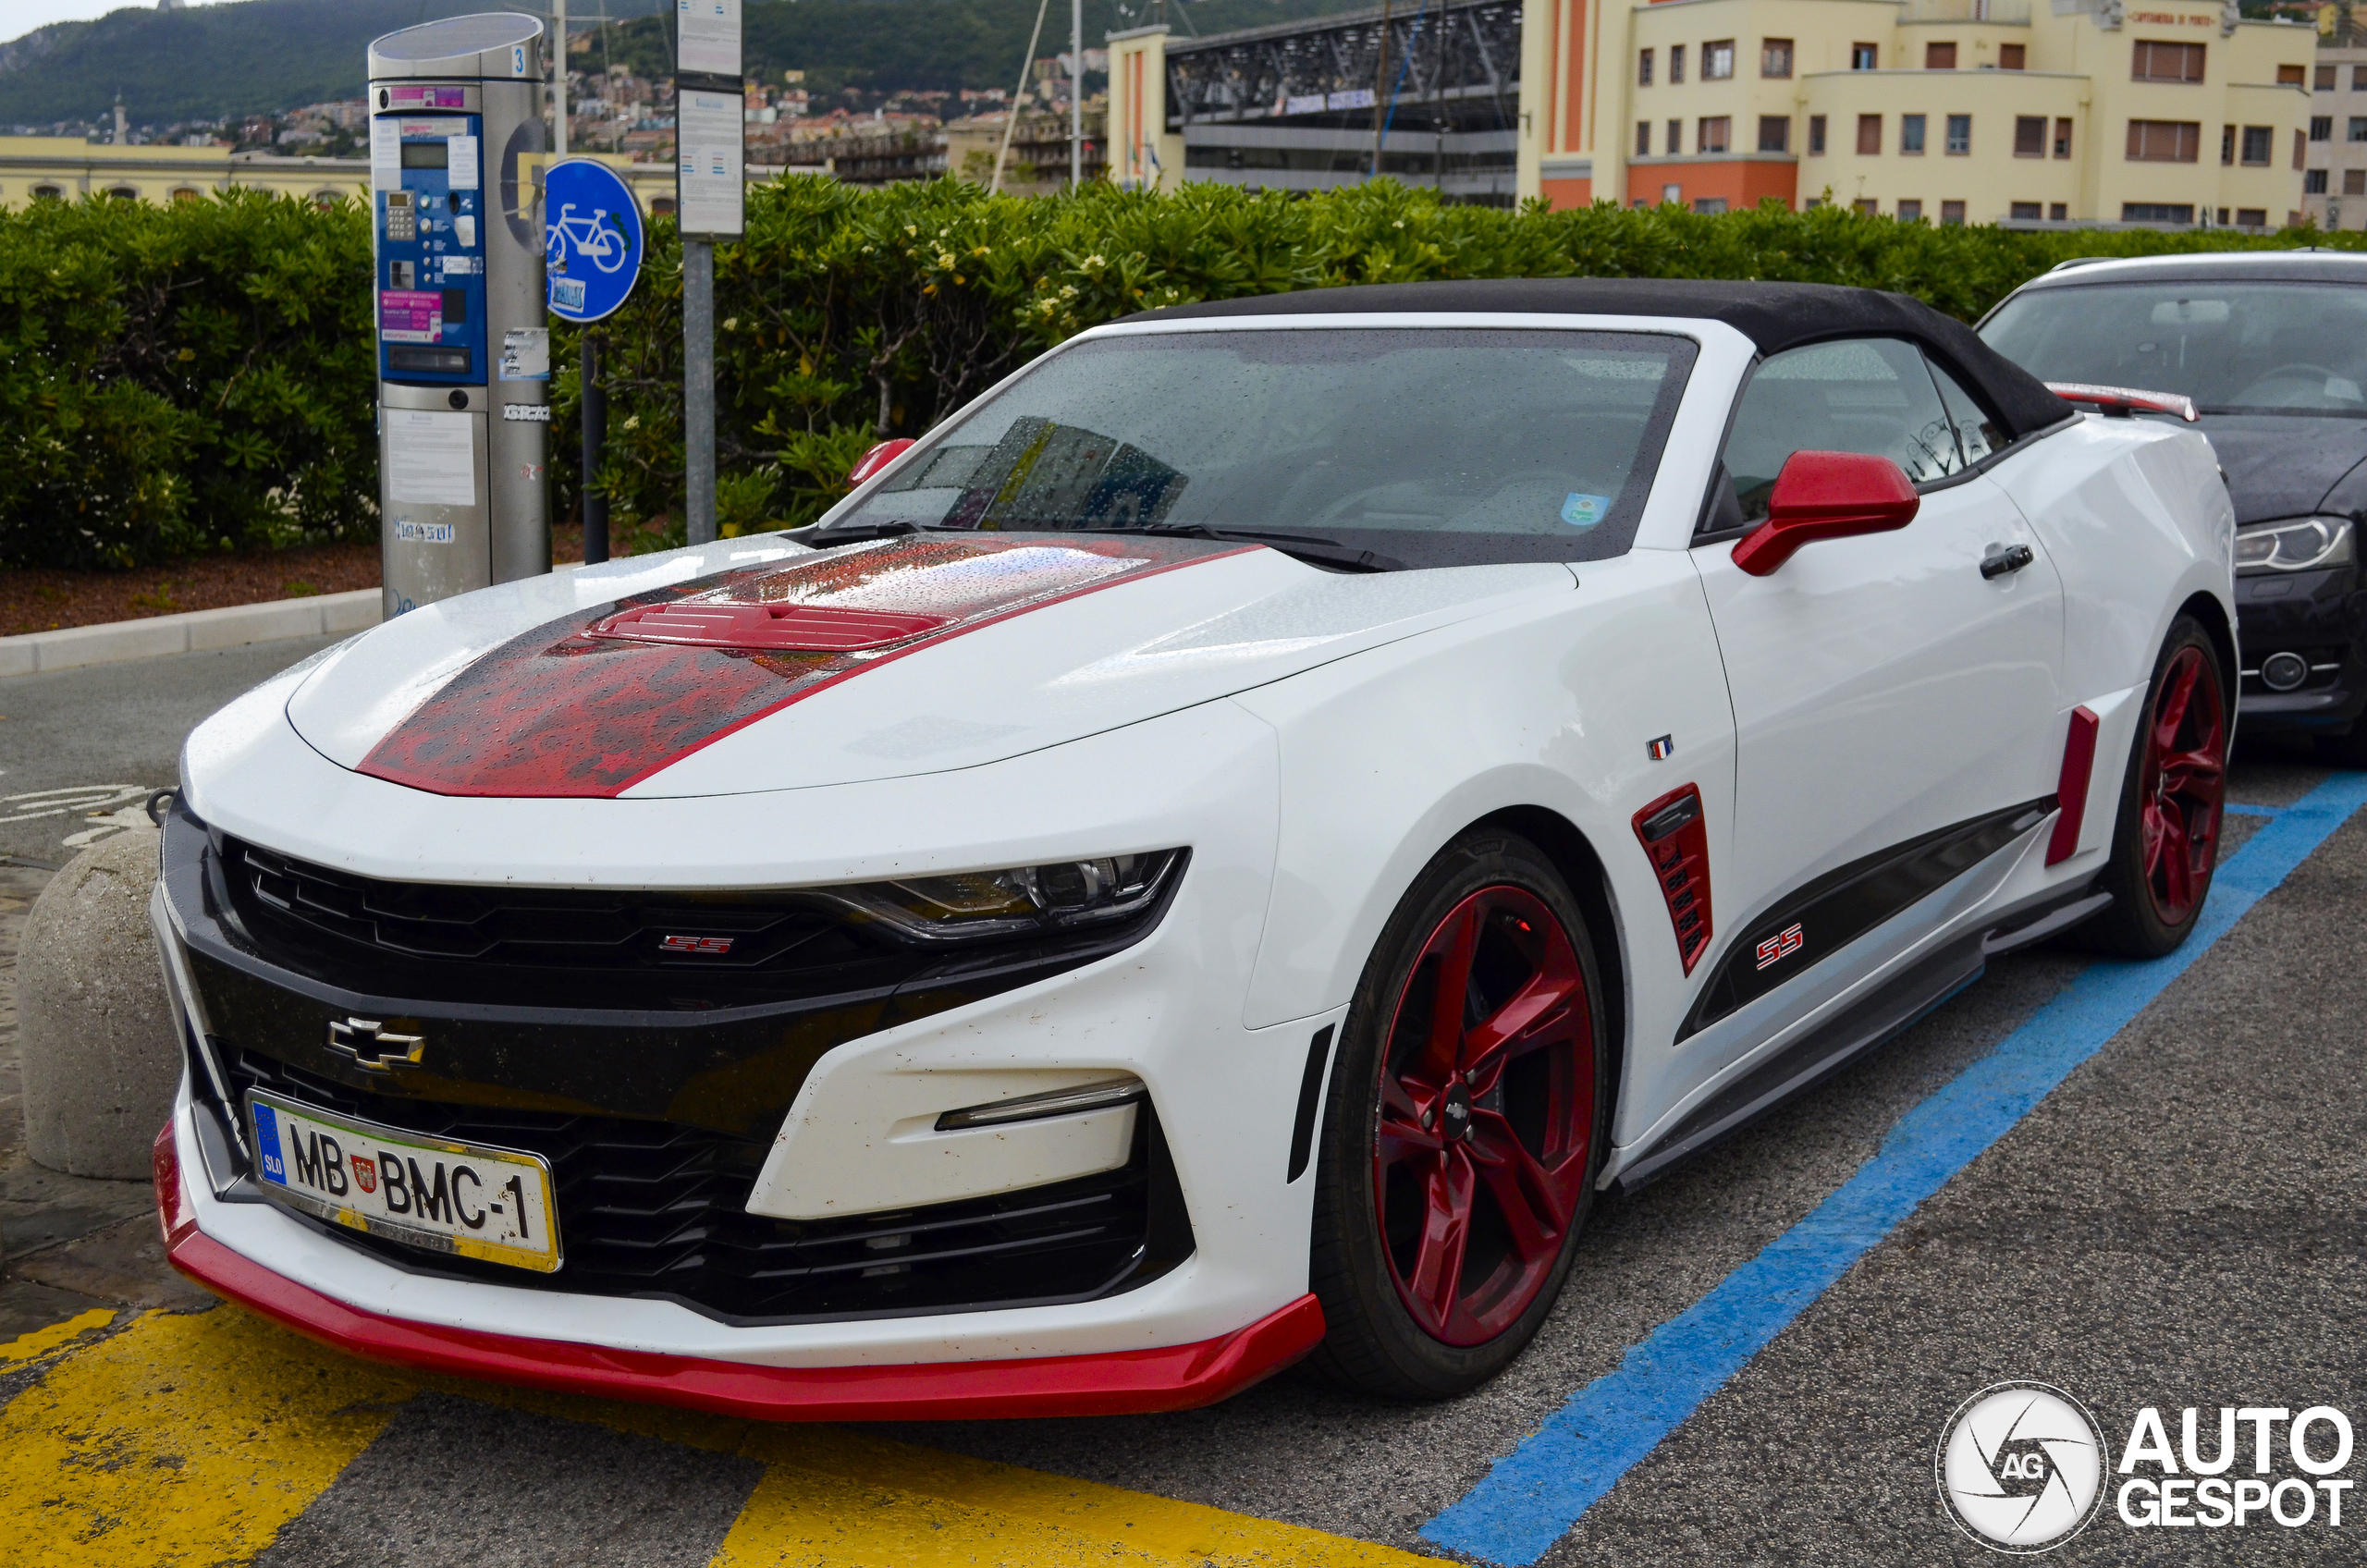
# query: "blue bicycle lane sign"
x,y
592,239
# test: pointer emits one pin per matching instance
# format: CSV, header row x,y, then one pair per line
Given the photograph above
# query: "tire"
x,y
2166,833
1417,1309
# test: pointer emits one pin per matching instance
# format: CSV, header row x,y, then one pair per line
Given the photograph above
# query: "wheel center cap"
x,y
1454,1115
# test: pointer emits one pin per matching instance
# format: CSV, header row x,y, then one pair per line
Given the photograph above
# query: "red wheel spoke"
x,y
2181,783
2171,711
1398,1142
1446,1230
1536,1203
1456,943
1544,1007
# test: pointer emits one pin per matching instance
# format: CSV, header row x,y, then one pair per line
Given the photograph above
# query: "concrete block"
x,y
100,1060
357,611
235,625
75,646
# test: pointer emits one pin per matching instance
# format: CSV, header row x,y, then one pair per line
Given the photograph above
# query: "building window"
x,y
2354,182
183,193
1862,57
1775,57
2155,211
123,193
2010,57
1952,215
1710,206
2168,62
1959,135
1816,136
1672,192
1867,204
2227,144
1675,138
2055,212
1869,133
2260,145
1910,135
1718,60
2358,128
1643,67
1939,56
2163,141
2030,136
1643,139
2325,82
2062,138
1713,133
2024,212
2224,217
1774,133
661,206
329,201
2251,218
1910,211
2300,149
2313,183
48,193
1675,64
2359,78
2291,76
2321,128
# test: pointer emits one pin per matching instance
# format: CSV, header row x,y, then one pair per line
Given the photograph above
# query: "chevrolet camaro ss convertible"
x,y
1217,854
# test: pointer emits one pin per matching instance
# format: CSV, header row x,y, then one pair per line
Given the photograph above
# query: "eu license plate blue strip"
x,y
274,1168
1537,1492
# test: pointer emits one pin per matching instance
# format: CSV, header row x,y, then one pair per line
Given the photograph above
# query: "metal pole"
x,y
558,84
595,435
698,388
1002,154
1076,93
1379,86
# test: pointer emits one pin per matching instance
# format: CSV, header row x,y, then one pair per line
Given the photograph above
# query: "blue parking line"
x,y
1535,1493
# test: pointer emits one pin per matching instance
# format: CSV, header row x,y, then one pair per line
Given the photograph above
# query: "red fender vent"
x,y
1677,841
785,628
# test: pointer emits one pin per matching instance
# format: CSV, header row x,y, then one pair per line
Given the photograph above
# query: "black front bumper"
x,y
2321,615
656,1111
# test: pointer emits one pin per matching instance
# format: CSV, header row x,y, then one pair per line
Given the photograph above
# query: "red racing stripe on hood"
x,y
592,703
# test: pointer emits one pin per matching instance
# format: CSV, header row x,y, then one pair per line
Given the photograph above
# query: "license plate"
x,y
462,1198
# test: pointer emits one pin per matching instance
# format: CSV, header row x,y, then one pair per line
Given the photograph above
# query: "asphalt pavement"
x,y
2171,1222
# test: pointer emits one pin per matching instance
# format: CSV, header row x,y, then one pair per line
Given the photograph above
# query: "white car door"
x,y
1895,703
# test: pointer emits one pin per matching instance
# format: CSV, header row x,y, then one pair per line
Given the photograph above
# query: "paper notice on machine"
x,y
431,457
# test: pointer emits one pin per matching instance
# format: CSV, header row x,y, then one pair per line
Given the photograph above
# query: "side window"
x,y
1977,434
1871,394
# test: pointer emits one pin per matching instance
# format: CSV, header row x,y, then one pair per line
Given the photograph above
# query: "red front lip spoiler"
x,y
1114,1384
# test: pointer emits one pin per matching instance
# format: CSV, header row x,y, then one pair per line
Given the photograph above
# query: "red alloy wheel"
x,y
1487,1106
2182,785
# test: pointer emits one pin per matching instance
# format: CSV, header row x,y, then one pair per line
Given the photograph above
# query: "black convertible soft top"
x,y
1773,316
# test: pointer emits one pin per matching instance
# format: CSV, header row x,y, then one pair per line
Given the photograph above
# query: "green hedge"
x,y
199,376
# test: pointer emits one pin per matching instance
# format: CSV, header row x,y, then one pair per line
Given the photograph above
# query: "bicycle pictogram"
x,y
596,236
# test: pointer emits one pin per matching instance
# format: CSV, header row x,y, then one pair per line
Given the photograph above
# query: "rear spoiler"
x,y
2120,402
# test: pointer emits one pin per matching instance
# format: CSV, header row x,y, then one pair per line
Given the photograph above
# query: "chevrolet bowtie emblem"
x,y
370,1046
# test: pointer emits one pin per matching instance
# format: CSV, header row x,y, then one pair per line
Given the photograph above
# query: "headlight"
x,y
2295,546
976,905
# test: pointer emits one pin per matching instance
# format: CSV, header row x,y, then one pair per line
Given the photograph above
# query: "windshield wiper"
x,y
1303,546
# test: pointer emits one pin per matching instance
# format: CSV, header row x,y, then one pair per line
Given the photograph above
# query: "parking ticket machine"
x,y
464,343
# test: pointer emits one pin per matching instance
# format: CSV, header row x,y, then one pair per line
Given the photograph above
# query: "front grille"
x,y
563,948
658,1209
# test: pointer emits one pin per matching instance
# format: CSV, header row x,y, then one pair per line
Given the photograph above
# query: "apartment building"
x,y
2334,186
2069,111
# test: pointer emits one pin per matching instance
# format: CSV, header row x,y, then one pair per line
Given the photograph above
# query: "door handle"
x,y
2003,558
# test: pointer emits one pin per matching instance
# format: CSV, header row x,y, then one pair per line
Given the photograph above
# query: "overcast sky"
x,y
18,17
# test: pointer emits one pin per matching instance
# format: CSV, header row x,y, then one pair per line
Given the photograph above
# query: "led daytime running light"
x,y
978,905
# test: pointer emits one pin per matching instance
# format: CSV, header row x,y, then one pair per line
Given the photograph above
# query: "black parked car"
x,y
2272,348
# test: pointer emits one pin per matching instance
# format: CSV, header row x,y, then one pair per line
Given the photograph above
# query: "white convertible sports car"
x,y
1219,852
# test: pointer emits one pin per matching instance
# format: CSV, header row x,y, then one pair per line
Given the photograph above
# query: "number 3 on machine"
x,y
463,1198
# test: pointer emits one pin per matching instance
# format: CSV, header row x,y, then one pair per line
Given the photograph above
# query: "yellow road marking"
x,y
194,1439
41,1341
181,1441
837,1497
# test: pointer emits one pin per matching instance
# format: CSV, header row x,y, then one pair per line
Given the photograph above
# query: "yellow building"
x,y
34,167
2074,111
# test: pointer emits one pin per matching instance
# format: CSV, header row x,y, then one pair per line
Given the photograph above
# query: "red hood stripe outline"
x,y
558,712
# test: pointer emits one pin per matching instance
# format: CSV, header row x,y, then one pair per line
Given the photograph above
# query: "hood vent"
x,y
782,628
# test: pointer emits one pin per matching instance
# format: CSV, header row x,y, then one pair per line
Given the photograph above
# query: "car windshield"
x,y
1406,445
2234,347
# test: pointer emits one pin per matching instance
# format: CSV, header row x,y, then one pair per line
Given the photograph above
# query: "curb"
x,y
191,631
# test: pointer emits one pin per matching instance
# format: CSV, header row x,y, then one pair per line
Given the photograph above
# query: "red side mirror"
x,y
1826,495
879,456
